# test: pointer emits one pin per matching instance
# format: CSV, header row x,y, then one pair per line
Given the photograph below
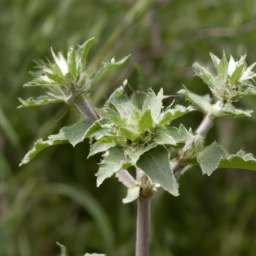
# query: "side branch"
x,y
201,131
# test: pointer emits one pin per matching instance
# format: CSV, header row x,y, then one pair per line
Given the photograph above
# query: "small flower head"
x,y
232,79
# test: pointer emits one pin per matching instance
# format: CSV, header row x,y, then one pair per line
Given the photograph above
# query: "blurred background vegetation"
x,y
54,198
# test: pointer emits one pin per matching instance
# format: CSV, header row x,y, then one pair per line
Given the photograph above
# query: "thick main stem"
x,y
143,226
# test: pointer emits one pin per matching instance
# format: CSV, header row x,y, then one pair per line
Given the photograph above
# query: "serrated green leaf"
x,y
162,137
111,164
122,104
132,194
146,121
154,103
223,67
115,117
173,113
207,76
129,134
41,81
101,147
228,110
57,79
99,127
38,101
202,102
209,158
101,73
135,154
74,133
171,135
84,50
239,160
39,146
215,60
237,74
72,62
156,164
111,139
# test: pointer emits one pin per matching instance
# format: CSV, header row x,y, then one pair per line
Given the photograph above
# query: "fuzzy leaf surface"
x,y
209,158
74,133
171,135
38,147
102,72
173,113
122,103
38,101
202,102
156,164
239,160
84,50
132,194
135,155
154,103
111,164
100,147
228,110
146,121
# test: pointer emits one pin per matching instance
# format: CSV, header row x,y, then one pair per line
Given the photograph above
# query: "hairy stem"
x,y
86,109
126,178
143,226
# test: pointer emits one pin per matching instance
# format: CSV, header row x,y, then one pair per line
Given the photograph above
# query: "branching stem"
x,y
86,109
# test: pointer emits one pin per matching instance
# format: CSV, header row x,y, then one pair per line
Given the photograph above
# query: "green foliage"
x,y
165,55
67,78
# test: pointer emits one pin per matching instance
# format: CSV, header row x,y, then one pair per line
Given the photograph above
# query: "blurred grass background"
x,y
54,198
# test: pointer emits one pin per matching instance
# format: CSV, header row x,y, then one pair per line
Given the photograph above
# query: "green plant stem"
x,y
143,226
86,109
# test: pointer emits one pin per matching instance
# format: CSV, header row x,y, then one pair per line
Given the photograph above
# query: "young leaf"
x,y
84,49
129,134
100,147
135,155
100,127
237,74
239,160
154,103
38,101
111,164
209,158
122,103
171,135
156,164
107,66
72,62
39,146
202,102
162,137
228,110
146,121
132,194
205,75
73,134
173,113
